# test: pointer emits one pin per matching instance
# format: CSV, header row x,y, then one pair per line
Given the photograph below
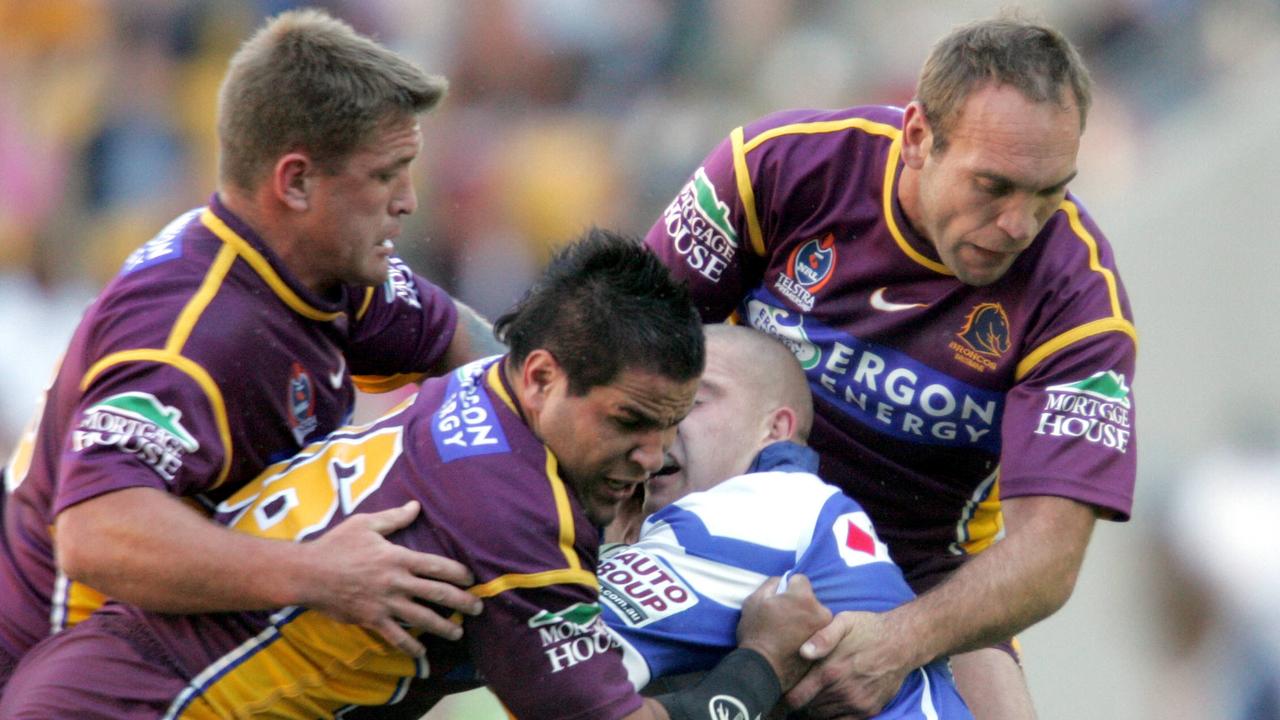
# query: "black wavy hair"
x,y
606,304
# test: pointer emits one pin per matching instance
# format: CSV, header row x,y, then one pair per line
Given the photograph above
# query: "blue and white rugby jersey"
x,y
674,598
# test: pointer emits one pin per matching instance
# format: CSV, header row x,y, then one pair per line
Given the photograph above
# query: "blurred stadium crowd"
x,y
561,114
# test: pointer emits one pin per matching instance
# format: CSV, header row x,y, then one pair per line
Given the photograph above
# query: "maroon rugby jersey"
x,y
492,499
200,364
934,398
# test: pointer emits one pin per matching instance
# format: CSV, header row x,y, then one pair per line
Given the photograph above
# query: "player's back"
x,y
490,499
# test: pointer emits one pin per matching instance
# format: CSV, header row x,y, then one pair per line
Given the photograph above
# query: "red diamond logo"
x,y
859,540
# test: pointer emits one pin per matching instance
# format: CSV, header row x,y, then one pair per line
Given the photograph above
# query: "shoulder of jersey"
x,y
767,508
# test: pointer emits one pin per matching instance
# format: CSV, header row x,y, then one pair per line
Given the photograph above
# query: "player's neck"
x,y
909,201
272,231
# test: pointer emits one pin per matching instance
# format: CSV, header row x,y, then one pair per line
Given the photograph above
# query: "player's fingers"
x,y
388,521
427,620
437,567
768,587
805,690
398,637
440,593
798,584
821,643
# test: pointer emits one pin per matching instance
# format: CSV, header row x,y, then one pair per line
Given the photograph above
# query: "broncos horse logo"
x,y
986,330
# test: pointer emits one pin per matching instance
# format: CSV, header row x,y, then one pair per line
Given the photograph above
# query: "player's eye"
x,y
994,189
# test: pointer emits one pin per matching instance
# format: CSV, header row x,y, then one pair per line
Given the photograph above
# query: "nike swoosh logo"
x,y
879,303
335,378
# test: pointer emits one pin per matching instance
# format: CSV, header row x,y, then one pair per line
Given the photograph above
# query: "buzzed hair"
x,y
308,81
769,369
1035,59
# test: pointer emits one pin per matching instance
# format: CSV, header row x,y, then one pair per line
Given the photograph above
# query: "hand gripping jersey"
x,y
675,597
200,364
491,498
934,399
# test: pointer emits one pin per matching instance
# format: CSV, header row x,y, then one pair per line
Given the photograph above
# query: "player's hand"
x,y
371,582
855,676
775,624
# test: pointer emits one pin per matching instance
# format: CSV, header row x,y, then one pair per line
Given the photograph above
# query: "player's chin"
x,y
981,274
373,271
605,505
601,513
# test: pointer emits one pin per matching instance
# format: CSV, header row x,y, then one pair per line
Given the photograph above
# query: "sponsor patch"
x,y
400,284
856,540
573,635
139,424
166,245
580,614
786,327
1096,408
885,390
301,404
809,267
641,588
697,222
984,337
466,425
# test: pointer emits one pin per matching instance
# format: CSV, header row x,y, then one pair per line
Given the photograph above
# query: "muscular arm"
x,y
472,339
1015,583
146,547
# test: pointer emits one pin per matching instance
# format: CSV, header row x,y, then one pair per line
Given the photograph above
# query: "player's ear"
x,y
291,180
917,136
781,424
538,376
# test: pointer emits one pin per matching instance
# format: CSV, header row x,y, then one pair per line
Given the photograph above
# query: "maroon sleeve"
x,y
702,236
142,424
403,326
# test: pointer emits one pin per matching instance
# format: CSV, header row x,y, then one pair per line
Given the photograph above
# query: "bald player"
x,y
737,502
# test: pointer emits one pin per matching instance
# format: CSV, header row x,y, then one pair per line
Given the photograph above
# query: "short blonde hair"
x,y
1037,60
308,81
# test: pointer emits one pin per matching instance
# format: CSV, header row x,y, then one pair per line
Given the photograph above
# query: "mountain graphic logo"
x,y
580,614
716,212
144,407
1107,385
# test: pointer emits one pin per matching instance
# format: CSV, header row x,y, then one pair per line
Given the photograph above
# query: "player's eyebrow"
x,y
1011,183
642,419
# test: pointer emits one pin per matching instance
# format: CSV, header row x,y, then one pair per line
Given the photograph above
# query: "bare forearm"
x,y
1014,584
473,338
145,547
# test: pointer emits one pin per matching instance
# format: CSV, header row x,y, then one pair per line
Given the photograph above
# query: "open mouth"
x,y
670,466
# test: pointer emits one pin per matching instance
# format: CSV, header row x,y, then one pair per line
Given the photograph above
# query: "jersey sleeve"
x,y
401,329
847,563
703,234
546,653
155,423
1068,426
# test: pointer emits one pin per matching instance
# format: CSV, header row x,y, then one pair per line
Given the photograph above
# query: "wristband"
x,y
742,685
